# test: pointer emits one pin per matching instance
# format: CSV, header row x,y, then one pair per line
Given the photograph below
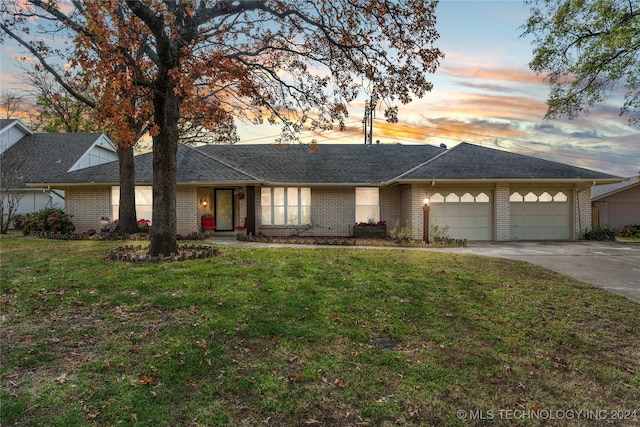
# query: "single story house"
x,y
27,156
478,193
616,205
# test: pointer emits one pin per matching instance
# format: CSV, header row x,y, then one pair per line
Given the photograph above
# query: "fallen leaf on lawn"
x,y
133,417
146,380
62,379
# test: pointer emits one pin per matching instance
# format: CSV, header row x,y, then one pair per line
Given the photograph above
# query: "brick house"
x,y
479,193
32,157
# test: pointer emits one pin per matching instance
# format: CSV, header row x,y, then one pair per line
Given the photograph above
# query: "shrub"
x,y
600,233
632,230
439,233
400,234
17,222
48,220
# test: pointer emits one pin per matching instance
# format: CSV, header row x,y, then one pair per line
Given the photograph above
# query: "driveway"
x,y
612,266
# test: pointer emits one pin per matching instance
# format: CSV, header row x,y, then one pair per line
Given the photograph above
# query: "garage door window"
x,y
466,214
532,197
454,198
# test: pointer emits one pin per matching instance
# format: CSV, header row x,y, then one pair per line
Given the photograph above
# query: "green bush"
x,y
48,220
632,230
400,234
600,233
439,233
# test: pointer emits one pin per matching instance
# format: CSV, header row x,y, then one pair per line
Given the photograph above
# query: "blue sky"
x,y
484,93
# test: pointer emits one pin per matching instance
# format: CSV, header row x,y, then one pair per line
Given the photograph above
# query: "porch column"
x,y
418,192
582,210
502,212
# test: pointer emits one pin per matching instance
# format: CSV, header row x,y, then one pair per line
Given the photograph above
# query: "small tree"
x,y
10,103
10,193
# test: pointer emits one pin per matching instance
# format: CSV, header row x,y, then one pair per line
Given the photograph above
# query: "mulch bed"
x,y
138,253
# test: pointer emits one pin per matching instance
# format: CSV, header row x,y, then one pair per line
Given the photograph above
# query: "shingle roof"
x,y
598,191
339,164
468,161
40,156
6,122
332,164
193,166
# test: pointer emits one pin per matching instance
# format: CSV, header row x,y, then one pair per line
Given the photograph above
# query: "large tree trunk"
x,y
127,218
165,152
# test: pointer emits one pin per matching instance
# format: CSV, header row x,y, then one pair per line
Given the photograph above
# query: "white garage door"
x,y
540,215
468,214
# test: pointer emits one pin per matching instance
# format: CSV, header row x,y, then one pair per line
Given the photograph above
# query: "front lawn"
x,y
285,337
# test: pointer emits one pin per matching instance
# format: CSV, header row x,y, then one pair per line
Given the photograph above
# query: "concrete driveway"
x,y
612,266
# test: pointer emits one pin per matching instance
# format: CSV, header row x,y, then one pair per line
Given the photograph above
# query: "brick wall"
x,y
582,210
187,210
502,225
391,206
416,198
333,212
87,205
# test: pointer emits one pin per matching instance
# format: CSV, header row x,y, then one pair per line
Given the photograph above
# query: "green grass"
x,y
283,337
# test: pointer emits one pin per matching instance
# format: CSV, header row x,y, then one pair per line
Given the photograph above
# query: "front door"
x,y
224,209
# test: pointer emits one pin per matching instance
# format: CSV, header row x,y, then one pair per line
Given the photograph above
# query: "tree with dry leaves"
x,y
61,112
295,63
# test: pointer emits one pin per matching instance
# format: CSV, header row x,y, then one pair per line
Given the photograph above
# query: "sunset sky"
x,y
484,93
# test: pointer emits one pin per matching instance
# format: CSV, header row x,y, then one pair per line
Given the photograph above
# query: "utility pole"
x,y
367,122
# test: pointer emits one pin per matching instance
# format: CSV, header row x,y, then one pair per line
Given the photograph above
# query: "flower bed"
x,y
370,230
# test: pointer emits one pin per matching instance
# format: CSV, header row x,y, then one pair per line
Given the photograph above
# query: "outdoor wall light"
x,y
204,202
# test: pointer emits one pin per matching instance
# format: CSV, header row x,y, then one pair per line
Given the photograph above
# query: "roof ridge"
x,y
426,162
235,168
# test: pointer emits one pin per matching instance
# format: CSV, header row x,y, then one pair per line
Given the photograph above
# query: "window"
x,y
367,204
467,198
285,206
482,198
560,197
437,198
144,202
516,197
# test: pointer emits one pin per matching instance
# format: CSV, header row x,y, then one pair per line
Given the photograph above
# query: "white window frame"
x,y
364,209
295,201
144,209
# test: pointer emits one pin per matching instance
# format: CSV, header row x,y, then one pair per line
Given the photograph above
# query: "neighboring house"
x,y
479,193
31,157
616,205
